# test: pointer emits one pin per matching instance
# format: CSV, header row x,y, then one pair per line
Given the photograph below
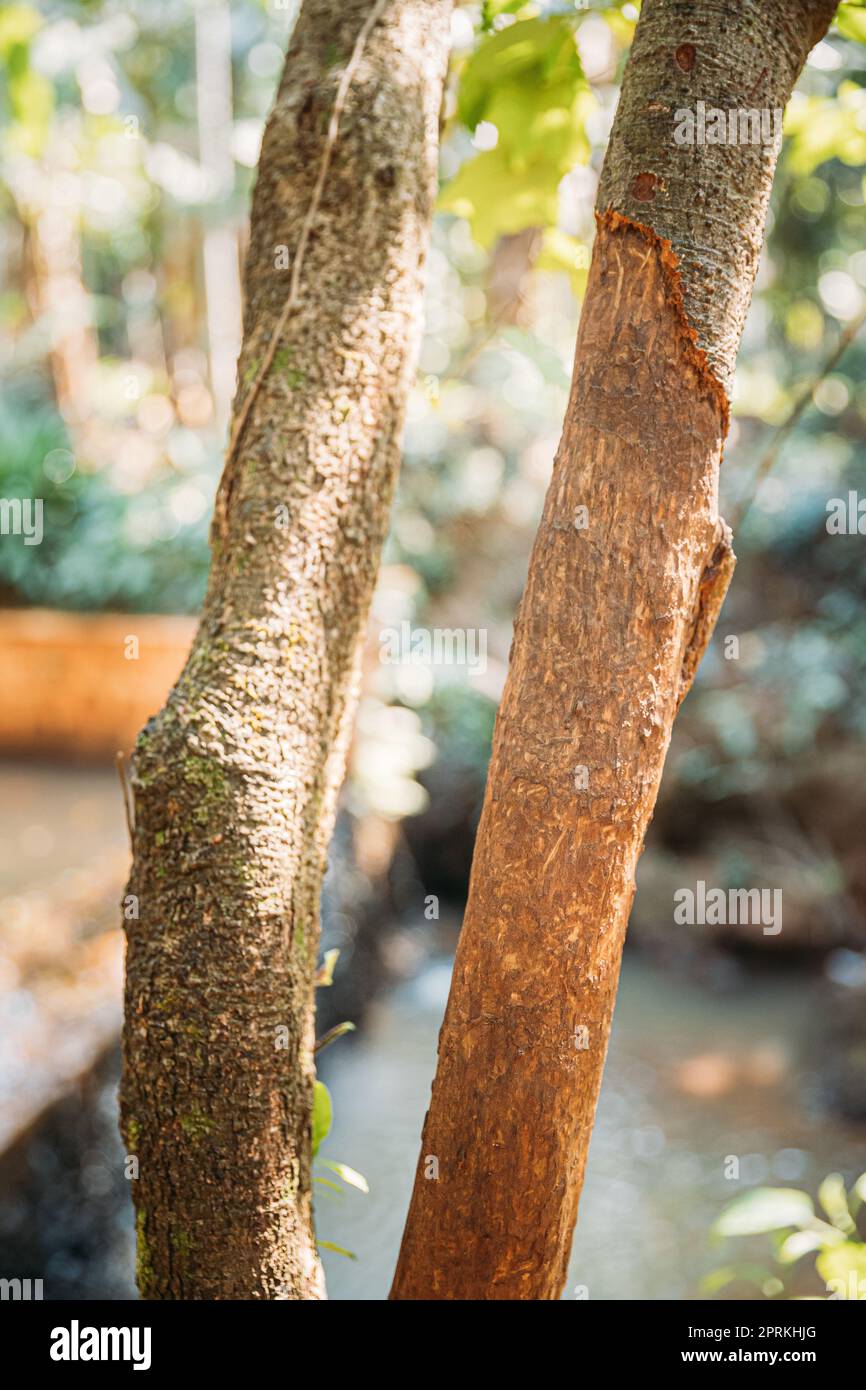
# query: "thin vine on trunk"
x,y
235,780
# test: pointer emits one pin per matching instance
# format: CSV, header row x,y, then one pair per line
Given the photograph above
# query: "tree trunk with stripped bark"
x,y
235,781
627,575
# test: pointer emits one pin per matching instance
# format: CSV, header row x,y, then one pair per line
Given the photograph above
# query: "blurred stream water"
x,y
692,1077
697,1072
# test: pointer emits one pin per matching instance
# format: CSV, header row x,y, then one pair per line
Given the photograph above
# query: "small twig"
x,y
312,212
845,340
332,1035
126,793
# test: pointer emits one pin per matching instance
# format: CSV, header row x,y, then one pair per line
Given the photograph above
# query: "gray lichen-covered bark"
x,y
626,579
235,781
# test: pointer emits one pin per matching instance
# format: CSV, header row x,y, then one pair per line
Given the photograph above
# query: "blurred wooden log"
x,y
80,685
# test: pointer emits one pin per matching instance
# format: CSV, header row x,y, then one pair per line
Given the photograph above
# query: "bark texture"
x,y
613,622
235,781
710,200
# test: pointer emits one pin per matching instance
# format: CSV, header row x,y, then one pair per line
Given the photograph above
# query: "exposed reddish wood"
x,y
669,270
596,668
612,625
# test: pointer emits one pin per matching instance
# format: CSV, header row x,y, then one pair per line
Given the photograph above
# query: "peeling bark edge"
x,y
709,200
694,355
609,635
719,569
712,591
512,1105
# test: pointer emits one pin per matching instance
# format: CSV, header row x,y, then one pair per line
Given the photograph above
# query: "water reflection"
x,y
693,1077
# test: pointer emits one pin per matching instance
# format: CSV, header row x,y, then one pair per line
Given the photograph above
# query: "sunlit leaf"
x,y
561,252
843,1269
323,1112
29,94
834,1200
821,128
333,1186
337,1249
18,24
349,1175
492,9
495,204
765,1209
338,1031
538,51
800,1243
325,972
527,82
851,22
740,1273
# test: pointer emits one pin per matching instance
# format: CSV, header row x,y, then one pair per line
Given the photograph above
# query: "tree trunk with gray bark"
x,y
627,575
235,781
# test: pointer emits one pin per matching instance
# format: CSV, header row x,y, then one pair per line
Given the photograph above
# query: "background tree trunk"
x,y
611,627
235,781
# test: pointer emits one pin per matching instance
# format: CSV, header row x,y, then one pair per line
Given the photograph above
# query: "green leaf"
x,y
491,9
535,52
527,81
18,24
801,1243
622,27
493,203
30,94
325,972
323,1112
718,1279
334,1186
765,1209
337,1249
742,1273
333,1034
843,1269
349,1175
564,253
821,128
834,1200
851,22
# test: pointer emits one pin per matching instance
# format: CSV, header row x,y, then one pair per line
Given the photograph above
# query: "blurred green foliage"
x,y
524,83
101,547
107,186
788,1217
323,1117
